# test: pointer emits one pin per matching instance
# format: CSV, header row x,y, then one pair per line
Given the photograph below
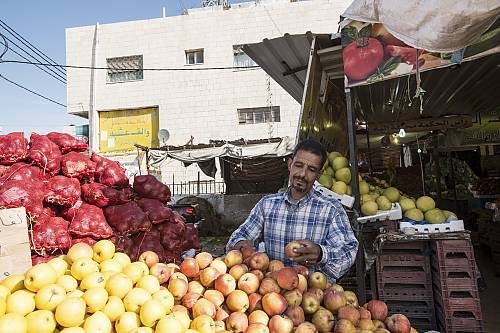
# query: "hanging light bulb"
x,y
402,133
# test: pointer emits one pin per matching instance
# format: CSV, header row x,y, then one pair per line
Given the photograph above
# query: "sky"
x,y
43,24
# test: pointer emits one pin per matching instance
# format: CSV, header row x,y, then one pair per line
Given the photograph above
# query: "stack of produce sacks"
x,y
70,198
96,289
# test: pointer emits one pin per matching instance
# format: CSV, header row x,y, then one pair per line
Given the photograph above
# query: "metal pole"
x,y
370,168
353,157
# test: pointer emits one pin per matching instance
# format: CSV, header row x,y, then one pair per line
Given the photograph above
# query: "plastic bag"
x,y
89,221
13,148
77,165
149,187
18,193
127,218
51,235
61,190
156,210
109,172
67,142
102,195
44,153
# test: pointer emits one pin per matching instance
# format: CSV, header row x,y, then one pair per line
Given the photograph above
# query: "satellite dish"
x,y
163,136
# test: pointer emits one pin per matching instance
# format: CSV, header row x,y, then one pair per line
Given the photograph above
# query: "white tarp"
x,y
272,149
432,25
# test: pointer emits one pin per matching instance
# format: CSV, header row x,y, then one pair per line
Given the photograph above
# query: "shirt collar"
x,y
304,199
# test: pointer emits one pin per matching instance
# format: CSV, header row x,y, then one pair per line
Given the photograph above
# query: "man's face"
x,y
304,169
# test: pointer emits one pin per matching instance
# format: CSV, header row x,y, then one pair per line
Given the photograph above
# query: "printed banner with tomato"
x,y
370,54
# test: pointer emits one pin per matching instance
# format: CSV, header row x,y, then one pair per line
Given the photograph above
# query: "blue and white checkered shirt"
x,y
277,220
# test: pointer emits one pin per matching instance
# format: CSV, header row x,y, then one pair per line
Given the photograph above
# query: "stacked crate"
x,y
404,282
456,295
495,245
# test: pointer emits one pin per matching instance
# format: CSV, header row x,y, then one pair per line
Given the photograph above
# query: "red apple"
x,y
268,285
257,328
317,280
302,283
259,260
195,287
255,302
149,258
323,320
293,297
238,270
274,304
190,299
378,309
275,265
221,314
280,324
336,287
306,327
366,324
364,314
344,326
249,283
204,259
208,276
220,265
290,249
178,288
398,323
247,251
258,316
287,278
310,302
189,267
233,257
301,270
214,296
225,283
296,314
273,275
237,322
204,307
161,271
378,323
350,313
351,297
258,273
318,292
237,301
334,300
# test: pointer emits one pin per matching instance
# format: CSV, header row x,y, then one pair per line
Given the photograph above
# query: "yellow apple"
x,y
75,293
220,265
182,317
166,298
122,258
145,268
13,282
151,311
83,267
41,321
3,306
134,271
112,265
71,312
103,249
108,274
77,251
203,324
127,322
143,329
95,298
38,276
49,297
119,285
13,323
68,282
149,282
77,329
169,324
97,323
59,265
135,299
4,291
21,302
93,280
114,308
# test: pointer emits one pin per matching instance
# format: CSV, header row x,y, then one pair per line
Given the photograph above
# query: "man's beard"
x,y
299,188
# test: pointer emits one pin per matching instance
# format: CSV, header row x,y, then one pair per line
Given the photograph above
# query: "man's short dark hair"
x,y
313,147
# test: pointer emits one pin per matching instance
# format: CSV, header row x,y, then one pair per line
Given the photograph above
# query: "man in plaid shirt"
x,y
302,214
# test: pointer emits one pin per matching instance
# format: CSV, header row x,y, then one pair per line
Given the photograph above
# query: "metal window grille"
x,y
194,57
240,58
124,69
259,115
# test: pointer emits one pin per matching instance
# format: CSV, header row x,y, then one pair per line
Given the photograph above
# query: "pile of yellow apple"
x,y
95,289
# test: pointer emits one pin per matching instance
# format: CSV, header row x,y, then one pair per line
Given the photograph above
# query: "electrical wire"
x,y
134,69
6,46
29,45
58,77
31,91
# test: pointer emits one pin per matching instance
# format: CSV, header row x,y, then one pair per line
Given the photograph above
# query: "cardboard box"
x,y
15,252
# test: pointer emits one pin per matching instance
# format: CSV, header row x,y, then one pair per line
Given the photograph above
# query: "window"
x,y
258,115
194,57
124,69
241,59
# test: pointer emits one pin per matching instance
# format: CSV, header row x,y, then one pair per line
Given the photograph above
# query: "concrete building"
x,y
130,106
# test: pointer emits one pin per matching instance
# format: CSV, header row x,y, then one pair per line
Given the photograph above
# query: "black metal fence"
x,y
196,187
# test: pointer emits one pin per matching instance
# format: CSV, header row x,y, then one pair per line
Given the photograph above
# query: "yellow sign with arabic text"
x,y
120,130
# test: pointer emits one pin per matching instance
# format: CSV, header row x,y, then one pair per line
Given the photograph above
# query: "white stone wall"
x,y
199,103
